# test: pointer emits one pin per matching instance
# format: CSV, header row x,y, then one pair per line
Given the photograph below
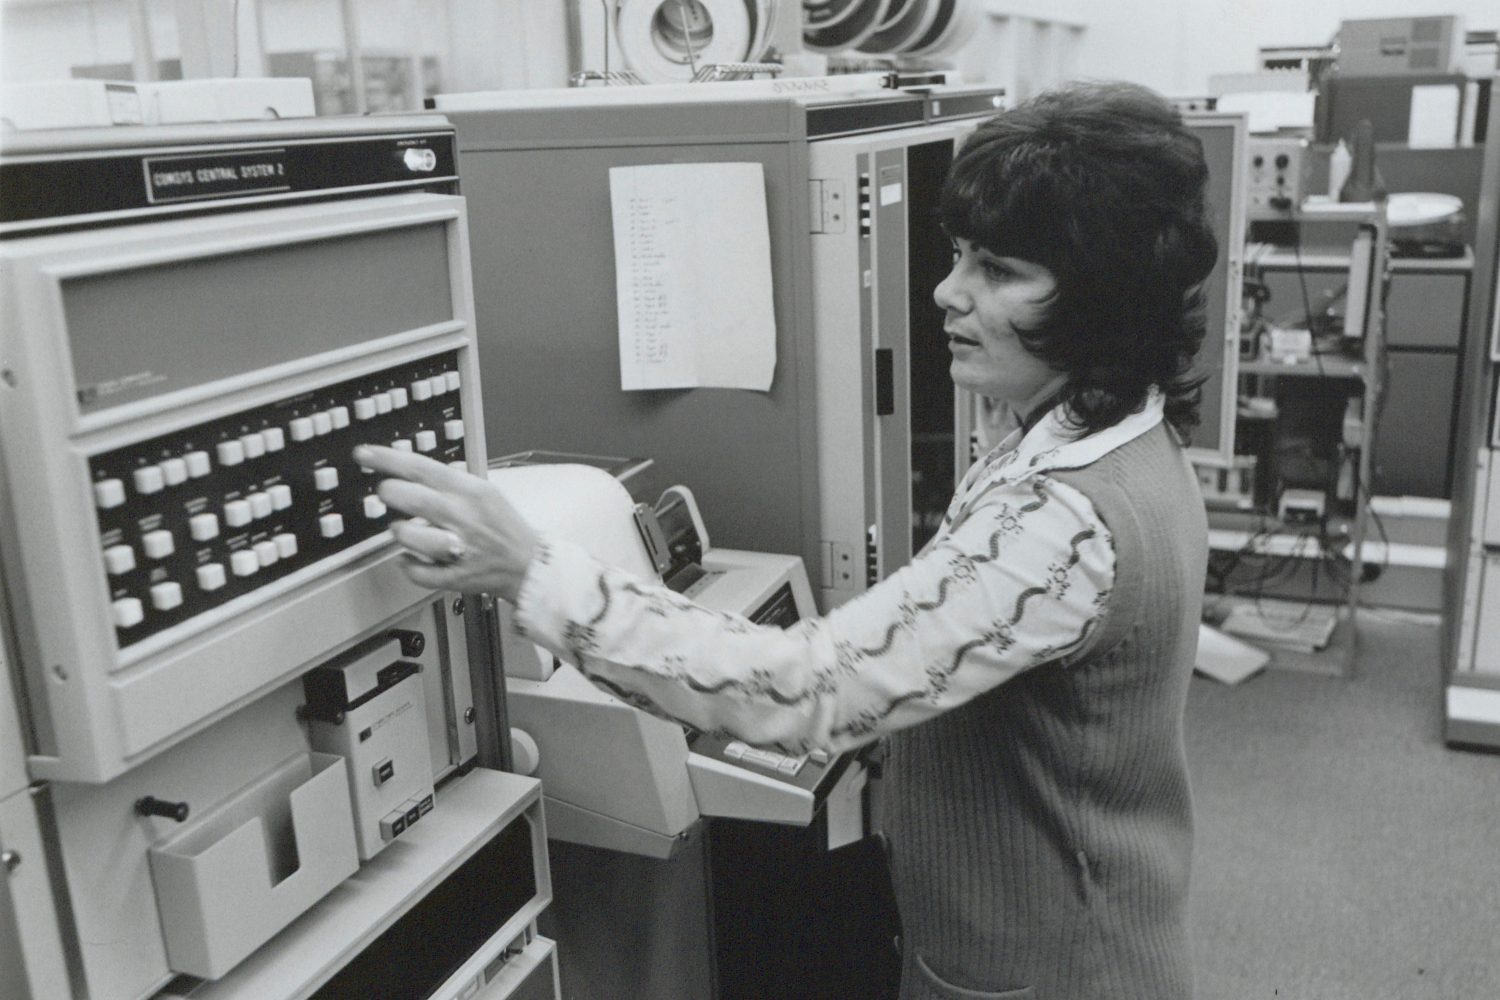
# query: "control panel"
x,y
194,519
184,526
1278,177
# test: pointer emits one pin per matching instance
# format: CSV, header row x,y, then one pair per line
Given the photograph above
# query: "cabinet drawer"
x,y
1415,432
1426,310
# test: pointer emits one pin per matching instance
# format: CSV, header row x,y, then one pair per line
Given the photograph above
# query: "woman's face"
x,y
986,298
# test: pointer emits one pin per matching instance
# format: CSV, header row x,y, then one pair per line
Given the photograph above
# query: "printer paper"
x,y
693,276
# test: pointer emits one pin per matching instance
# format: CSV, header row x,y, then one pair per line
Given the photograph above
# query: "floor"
x,y
1342,850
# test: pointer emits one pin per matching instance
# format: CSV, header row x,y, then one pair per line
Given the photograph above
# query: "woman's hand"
x,y
464,534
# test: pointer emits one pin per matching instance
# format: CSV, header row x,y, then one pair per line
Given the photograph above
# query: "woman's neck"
x,y
1033,410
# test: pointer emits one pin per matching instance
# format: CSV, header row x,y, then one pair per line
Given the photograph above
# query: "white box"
x,y
228,882
70,104
172,102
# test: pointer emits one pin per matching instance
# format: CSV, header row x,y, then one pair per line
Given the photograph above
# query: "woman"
x,y
1030,666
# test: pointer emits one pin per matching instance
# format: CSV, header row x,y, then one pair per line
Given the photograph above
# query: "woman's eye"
x,y
995,270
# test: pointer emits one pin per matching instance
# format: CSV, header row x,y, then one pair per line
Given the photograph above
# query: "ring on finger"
x,y
454,551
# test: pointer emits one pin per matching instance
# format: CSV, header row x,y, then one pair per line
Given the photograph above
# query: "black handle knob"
x,y
150,806
412,641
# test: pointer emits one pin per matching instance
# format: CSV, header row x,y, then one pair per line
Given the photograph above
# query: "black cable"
x,y
1306,298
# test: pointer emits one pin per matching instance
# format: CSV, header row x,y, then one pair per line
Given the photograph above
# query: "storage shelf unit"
x,y
1425,318
1340,534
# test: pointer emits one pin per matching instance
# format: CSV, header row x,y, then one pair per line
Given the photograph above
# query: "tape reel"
x,y
662,40
955,23
906,22
835,25
764,13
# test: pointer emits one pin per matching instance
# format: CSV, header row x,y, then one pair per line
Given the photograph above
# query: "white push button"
x,y
399,398
383,402
260,505
421,390
237,513
286,544
453,430
109,493
374,507
302,428
438,384
452,380
203,527
364,408
158,544
128,612
275,438
244,562
210,576
401,444
230,452
322,423
331,525
198,464
426,440
265,553
148,479
255,445
326,478
119,559
281,496
340,415
174,471
166,596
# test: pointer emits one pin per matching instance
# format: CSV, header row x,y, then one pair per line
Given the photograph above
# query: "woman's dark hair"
x,y
1103,185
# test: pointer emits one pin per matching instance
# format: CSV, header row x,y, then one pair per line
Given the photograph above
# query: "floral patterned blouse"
x,y
1017,576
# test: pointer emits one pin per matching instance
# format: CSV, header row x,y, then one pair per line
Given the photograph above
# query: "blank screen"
x,y
145,331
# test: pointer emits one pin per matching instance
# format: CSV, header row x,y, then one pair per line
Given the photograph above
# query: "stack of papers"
x,y
1302,627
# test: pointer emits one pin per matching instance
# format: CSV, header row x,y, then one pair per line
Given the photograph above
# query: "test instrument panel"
x,y
227,697
850,458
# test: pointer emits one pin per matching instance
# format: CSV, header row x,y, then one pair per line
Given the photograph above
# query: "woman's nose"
x,y
947,294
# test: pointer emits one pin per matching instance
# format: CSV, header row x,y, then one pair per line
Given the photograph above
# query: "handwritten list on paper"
x,y
693,276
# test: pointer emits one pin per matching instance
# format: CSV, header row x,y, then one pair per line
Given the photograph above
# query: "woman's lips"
x,y
954,338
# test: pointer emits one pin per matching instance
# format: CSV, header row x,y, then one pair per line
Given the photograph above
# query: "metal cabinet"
x,y
1425,317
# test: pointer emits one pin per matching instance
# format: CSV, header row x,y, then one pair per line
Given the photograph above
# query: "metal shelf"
x,y
1323,366
1233,529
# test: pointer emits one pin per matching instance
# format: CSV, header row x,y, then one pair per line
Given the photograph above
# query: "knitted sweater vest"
x,y
1040,835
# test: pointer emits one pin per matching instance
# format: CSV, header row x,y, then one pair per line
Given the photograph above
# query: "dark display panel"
x,y
142,332
437,936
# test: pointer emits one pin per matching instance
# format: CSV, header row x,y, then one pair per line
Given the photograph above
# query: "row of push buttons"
x,y
130,611
120,559
396,822
149,479
204,526
771,761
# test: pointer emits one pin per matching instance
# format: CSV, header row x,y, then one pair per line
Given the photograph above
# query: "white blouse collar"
x,y
1053,444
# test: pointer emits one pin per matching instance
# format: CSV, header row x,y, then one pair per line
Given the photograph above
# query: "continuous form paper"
x,y
693,276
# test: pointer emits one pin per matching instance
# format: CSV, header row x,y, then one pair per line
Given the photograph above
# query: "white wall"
x,y
1173,45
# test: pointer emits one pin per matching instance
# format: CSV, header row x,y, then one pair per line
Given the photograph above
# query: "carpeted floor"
x,y
1342,850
